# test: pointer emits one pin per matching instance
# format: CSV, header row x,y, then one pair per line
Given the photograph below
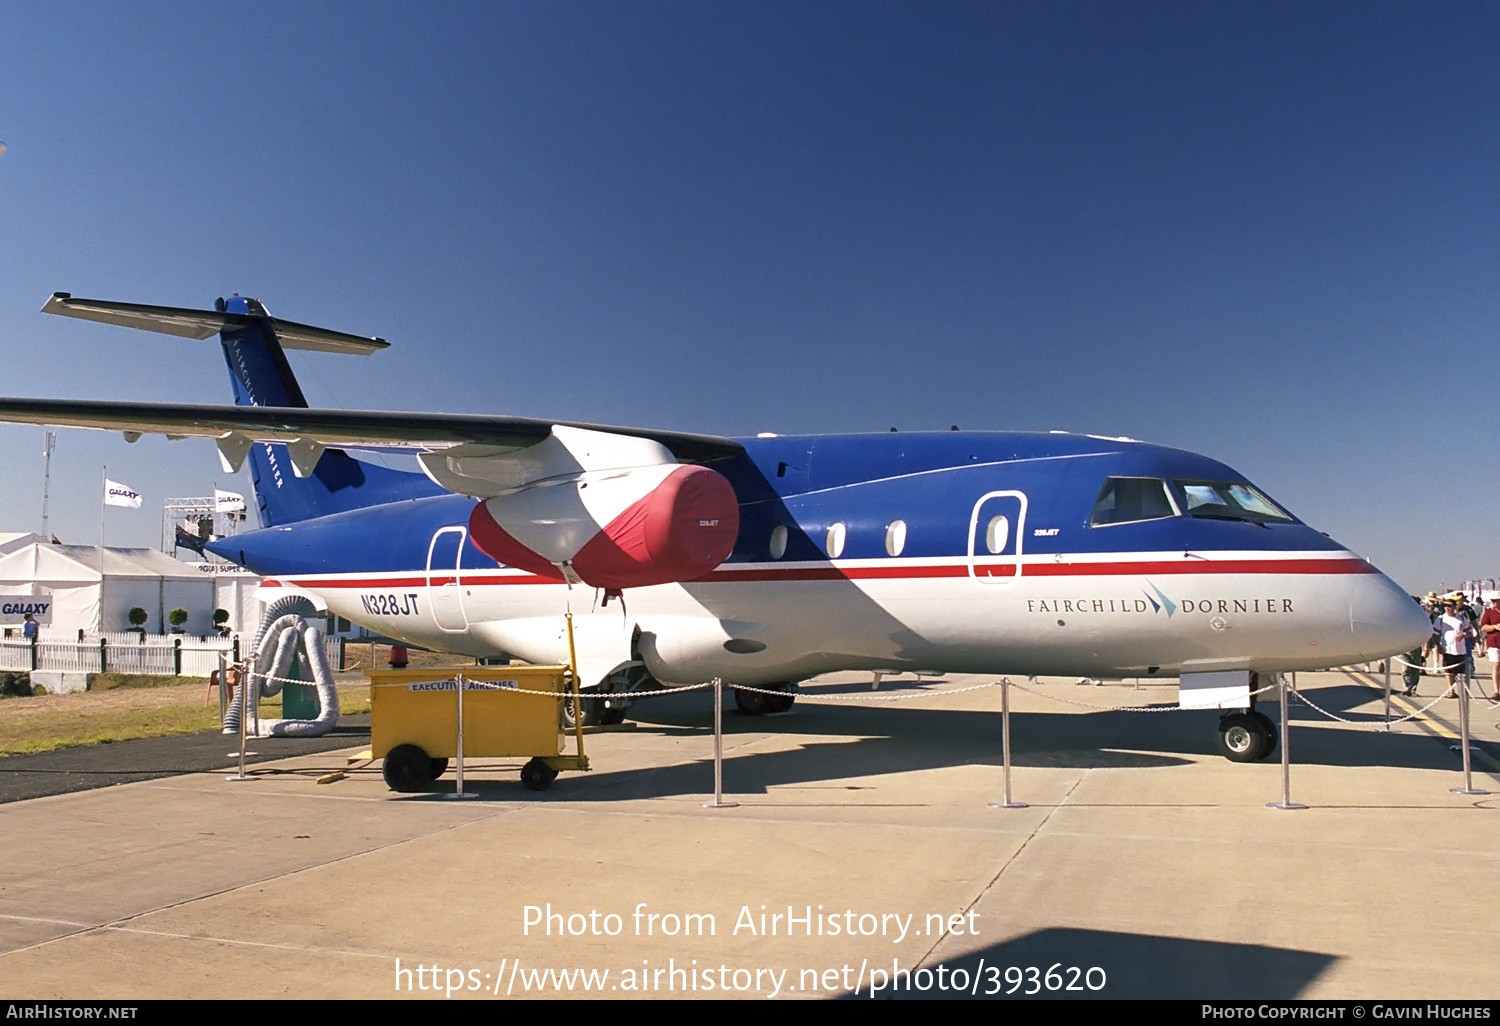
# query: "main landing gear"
x,y
755,703
610,701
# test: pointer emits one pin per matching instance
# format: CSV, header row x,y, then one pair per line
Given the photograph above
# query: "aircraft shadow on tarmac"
x,y
896,738
1135,966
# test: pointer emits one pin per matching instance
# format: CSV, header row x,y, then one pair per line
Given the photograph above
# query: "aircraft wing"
x,y
236,427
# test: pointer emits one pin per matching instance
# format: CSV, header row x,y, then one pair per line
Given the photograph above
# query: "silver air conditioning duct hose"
x,y
282,634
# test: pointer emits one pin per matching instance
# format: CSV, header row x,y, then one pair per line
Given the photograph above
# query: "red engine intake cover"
x,y
679,531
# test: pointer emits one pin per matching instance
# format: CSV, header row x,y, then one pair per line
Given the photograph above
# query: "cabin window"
x,y
1227,500
996,533
1131,500
895,537
778,542
836,535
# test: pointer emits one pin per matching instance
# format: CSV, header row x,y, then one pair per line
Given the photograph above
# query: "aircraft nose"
x,y
1385,620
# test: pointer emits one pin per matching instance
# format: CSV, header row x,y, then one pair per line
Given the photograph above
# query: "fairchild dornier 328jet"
x,y
765,560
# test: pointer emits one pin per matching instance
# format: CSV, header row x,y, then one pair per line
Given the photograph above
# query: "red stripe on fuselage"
x,y
997,571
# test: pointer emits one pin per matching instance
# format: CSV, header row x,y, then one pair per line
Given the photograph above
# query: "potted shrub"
x,y
177,618
221,622
138,618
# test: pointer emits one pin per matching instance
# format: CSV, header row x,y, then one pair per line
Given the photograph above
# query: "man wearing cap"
x,y
1452,631
1489,629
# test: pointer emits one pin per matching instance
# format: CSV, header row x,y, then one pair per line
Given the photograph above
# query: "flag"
x,y
188,540
228,502
116,494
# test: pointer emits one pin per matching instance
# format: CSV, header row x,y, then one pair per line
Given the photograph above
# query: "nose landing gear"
x,y
1246,736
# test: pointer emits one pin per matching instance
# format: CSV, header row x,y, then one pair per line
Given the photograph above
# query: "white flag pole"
x,y
103,494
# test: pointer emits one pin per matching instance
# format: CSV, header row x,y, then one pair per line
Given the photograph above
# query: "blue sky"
x,y
1266,232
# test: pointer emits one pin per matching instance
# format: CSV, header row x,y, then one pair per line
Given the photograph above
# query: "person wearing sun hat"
x,y
1452,632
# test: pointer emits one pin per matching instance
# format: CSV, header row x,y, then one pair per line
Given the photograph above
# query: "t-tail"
x,y
255,344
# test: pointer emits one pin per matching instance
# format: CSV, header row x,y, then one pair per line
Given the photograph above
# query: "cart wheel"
x,y
406,768
536,775
439,767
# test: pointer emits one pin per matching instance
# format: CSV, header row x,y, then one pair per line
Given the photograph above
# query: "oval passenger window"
x,y
895,537
836,540
778,542
996,534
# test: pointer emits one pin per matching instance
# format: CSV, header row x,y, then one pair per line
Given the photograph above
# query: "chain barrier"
x,y
1362,723
480,685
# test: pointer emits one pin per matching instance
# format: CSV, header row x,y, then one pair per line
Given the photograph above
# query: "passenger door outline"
x,y
445,594
1017,532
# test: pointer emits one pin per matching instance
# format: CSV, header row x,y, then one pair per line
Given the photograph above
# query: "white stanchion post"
x,y
223,687
719,802
244,718
1463,729
1286,802
458,788
1005,746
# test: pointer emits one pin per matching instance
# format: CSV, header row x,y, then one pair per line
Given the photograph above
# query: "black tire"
x,y
1273,737
612,716
593,711
752,703
1241,737
439,767
536,775
783,702
406,769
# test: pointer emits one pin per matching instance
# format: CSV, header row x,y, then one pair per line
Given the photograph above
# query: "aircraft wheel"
x,y
439,767
783,702
407,768
753,703
1272,737
1242,737
593,711
536,775
611,716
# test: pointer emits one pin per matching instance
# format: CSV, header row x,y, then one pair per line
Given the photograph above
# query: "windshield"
x,y
1227,500
1130,500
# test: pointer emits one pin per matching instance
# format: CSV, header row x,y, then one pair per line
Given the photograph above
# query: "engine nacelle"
x,y
621,529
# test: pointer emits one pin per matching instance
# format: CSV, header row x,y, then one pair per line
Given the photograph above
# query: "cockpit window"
x,y
1130,500
1227,500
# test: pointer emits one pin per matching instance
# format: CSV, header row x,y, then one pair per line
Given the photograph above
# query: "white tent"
x,y
10,541
67,579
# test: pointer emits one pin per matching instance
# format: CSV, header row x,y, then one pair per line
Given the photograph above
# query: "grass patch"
x,y
111,681
130,707
67,727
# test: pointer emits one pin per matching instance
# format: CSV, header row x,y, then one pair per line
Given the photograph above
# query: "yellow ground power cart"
x,y
414,721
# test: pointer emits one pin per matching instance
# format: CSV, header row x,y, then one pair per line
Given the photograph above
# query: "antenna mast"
x,y
49,442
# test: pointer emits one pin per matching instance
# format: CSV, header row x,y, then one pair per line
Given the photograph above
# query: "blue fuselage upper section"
x,y
930,482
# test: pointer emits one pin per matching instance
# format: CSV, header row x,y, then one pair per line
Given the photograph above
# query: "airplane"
x,y
761,561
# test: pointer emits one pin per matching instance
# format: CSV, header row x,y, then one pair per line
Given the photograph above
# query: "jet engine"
x,y
617,529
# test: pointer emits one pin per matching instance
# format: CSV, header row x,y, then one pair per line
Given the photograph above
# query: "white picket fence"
x,y
131,653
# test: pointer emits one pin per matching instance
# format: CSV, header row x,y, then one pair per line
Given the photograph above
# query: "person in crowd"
x,y
1489,630
29,627
1451,633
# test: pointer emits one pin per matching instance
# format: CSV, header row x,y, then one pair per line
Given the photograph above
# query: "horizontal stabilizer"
x,y
202,324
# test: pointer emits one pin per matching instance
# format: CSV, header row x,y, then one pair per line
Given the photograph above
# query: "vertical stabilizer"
x,y
261,376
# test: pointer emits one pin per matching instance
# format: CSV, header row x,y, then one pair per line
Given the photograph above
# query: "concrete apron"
x,y
1146,865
